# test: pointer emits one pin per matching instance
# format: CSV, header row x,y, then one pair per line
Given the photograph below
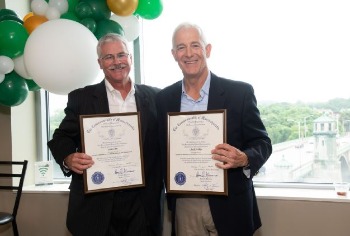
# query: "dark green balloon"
x,y
11,17
6,12
89,23
99,9
32,86
149,9
72,4
83,10
70,16
13,37
13,90
108,26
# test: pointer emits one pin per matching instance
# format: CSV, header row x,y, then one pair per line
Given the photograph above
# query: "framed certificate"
x,y
191,137
114,143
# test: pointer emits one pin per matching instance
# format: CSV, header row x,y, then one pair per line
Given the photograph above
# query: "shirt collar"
x,y
111,89
205,87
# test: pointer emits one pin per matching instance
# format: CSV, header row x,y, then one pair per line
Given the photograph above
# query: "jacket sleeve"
x,y
66,138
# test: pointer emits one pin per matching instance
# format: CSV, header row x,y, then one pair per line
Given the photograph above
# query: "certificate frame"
x,y
190,168
114,142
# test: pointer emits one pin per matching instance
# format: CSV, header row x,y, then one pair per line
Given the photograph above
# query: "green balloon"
x,y
6,12
149,9
72,4
32,86
13,37
89,23
11,17
100,9
108,26
83,10
13,90
70,16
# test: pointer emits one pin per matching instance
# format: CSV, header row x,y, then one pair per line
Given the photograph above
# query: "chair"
x,y
7,183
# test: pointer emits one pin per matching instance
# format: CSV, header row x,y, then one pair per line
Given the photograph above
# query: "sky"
x,y
288,50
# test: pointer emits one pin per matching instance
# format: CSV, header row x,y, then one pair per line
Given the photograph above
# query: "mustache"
x,y
118,66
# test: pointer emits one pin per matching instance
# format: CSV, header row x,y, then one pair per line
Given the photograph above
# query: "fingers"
x,y
228,156
78,162
223,156
223,165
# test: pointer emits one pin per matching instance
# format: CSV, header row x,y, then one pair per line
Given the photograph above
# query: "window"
x,y
295,54
56,105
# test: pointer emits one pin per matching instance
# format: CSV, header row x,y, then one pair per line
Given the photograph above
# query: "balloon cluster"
x,y
54,46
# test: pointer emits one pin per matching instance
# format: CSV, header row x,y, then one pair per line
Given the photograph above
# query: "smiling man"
x,y
246,150
130,212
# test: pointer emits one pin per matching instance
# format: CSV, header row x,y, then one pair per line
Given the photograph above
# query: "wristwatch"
x,y
65,167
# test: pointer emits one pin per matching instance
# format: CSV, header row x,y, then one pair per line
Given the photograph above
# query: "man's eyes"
x,y
108,57
179,48
196,45
193,45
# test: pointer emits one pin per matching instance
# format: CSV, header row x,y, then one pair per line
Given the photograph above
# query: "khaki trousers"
x,y
193,217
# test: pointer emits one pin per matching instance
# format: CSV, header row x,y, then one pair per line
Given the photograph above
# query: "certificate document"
x,y
191,137
114,143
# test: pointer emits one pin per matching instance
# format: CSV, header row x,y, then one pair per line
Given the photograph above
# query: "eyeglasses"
x,y
120,56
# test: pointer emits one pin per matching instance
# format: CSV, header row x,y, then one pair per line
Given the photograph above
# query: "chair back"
x,y
8,178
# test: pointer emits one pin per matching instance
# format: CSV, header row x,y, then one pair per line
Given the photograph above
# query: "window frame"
x,y
44,123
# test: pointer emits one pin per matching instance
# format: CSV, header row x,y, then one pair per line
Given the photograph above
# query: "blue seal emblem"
x,y
97,177
180,178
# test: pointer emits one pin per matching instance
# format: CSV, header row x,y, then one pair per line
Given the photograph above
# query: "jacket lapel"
x,y
176,97
216,94
100,103
142,104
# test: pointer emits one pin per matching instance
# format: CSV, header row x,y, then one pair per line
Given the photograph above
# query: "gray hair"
x,y
108,38
187,25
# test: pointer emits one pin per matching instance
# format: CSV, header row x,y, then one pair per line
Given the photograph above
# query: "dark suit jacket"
x,y
236,214
90,214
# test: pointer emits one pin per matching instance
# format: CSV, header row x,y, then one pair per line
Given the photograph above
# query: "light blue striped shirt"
x,y
201,104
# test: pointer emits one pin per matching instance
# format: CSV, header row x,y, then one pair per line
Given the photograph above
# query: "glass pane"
x,y
56,105
295,54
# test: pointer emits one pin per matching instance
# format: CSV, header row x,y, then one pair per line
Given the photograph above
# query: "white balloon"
x,y
60,5
60,56
130,25
20,67
2,77
6,65
52,13
39,7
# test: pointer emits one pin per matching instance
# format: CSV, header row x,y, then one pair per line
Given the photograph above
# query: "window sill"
x,y
48,188
324,195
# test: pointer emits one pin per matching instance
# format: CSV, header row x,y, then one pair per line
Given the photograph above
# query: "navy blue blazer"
x,y
89,214
237,213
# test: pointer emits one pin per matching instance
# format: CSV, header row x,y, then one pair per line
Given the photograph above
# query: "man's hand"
x,y
229,156
78,162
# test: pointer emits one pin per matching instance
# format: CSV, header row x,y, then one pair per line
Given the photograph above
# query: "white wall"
x,y
44,214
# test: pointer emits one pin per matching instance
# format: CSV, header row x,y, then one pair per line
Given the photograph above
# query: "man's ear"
x,y
174,54
207,50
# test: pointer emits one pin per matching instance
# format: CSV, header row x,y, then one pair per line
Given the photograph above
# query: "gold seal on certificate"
x,y
191,137
114,143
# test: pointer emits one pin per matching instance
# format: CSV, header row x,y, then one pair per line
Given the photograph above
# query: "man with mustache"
x,y
128,212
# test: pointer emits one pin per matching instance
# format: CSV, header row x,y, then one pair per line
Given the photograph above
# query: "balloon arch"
x,y
53,46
